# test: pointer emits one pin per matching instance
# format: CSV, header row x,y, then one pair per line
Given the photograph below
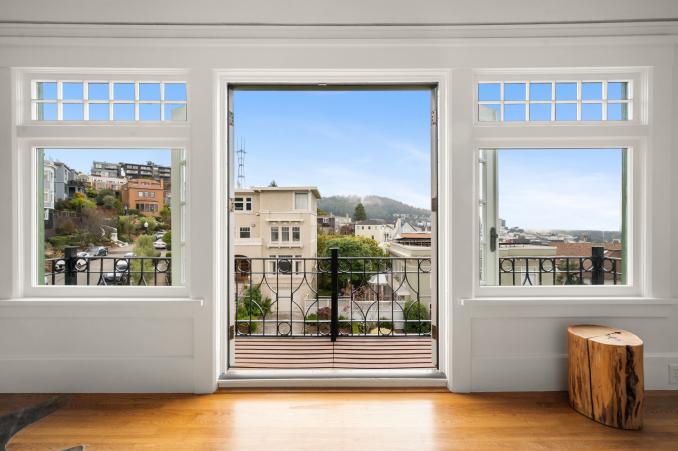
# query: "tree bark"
x,y
605,376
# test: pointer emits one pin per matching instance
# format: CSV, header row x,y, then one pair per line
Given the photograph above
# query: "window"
x,y
548,101
553,217
285,233
94,100
94,235
274,235
244,232
242,203
296,233
301,201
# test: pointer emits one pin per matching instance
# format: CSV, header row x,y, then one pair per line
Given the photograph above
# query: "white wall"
x,y
172,344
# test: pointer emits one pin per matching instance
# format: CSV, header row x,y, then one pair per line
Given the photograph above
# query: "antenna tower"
x,y
240,154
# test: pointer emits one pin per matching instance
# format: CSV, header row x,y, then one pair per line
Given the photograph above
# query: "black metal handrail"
x,y
104,270
595,269
333,296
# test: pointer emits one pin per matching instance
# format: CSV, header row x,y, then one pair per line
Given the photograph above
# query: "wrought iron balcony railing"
x,y
333,296
596,269
103,270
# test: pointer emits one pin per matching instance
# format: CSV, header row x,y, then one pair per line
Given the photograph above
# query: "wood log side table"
x,y
605,376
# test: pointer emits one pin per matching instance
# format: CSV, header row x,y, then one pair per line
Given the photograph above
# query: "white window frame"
x,y
632,135
303,193
277,234
111,102
297,230
637,112
442,259
33,134
245,229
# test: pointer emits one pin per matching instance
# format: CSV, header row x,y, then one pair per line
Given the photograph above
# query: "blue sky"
x,y
560,188
343,142
81,159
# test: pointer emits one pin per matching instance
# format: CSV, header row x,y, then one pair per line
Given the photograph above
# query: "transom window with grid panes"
x,y
554,101
97,100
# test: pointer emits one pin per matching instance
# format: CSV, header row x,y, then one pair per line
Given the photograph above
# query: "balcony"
x,y
103,270
333,312
529,270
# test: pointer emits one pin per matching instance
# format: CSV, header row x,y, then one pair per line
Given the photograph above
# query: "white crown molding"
x,y
285,34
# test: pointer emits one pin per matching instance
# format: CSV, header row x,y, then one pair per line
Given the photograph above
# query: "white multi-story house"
x,y
383,232
49,175
99,182
277,228
376,229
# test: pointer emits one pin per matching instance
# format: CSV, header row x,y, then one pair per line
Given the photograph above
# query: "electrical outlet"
x,y
673,373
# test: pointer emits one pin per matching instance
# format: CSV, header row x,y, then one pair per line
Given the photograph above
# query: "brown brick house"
x,y
145,195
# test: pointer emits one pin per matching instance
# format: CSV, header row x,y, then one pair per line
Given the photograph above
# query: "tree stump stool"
x,y
605,377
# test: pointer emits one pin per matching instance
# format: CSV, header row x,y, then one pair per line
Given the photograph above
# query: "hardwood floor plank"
x,y
337,420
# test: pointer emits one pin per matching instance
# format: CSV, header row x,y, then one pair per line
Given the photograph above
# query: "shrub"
x,y
242,316
61,241
253,302
167,238
414,312
103,194
108,202
143,248
65,227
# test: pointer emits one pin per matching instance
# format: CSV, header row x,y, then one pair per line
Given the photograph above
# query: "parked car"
x,y
95,251
117,278
160,244
130,254
159,234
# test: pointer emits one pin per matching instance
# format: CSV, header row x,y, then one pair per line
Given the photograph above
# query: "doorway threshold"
x,y
333,378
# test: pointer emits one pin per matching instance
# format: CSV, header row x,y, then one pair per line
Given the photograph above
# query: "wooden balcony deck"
x,y
345,353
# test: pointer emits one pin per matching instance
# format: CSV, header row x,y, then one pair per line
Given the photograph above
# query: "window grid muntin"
x,y
604,101
59,102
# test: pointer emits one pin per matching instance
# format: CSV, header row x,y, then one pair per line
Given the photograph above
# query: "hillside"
x,y
377,207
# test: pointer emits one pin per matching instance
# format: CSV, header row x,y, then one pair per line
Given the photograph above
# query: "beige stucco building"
x,y
276,227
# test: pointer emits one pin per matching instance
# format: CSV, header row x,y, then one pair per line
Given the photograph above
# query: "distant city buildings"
x,y
131,170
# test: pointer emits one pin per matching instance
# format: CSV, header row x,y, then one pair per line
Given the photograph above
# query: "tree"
x,y
357,271
359,213
108,202
80,202
166,215
91,223
102,194
143,248
167,238
273,184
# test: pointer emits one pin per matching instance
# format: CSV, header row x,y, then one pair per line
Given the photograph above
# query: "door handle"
x,y
493,239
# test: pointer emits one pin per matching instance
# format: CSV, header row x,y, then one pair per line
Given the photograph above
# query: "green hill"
x,y
377,207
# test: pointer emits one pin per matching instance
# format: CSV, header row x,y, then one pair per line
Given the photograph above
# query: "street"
x,y
103,265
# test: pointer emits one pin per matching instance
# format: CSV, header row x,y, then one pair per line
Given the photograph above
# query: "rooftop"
x,y
256,189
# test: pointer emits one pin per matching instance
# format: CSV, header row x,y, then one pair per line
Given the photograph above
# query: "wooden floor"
x,y
340,420
345,353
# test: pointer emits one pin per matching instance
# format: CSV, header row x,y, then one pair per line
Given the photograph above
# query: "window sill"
x,y
99,301
566,300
